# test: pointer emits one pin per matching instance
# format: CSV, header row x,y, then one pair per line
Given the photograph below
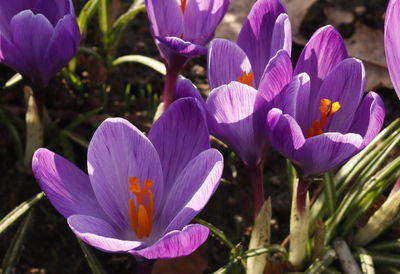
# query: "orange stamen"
x,y
141,216
327,109
183,5
246,78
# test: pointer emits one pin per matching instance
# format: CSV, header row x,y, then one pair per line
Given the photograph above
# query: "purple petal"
x,y
53,10
179,135
185,88
284,133
192,189
65,185
175,243
165,16
322,53
392,42
303,95
226,63
345,84
326,152
277,75
201,17
118,151
12,56
256,35
180,46
369,117
233,107
100,234
282,35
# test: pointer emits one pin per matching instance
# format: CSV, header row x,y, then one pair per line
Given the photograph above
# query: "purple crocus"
x,y
239,74
181,28
324,121
38,38
141,192
392,42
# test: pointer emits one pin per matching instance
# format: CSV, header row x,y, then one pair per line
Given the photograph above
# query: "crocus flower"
x,y
181,28
392,42
326,120
141,192
38,38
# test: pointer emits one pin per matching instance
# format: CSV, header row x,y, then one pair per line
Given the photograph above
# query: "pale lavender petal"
x,y
256,35
165,16
226,62
233,108
179,135
192,189
180,46
66,186
284,133
345,84
201,17
100,234
326,152
303,95
277,75
175,243
322,53
282,35
118,151
369,117
392,42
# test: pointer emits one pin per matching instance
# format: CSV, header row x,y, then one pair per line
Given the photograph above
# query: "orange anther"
x,y
141,216
327,109
246,78
183,5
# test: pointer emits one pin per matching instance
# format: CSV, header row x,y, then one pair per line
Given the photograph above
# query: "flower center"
x,y
183,5
246,78
141,213
327,109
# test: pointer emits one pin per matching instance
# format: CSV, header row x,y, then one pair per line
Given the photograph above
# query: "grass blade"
x,y
144,60
91,258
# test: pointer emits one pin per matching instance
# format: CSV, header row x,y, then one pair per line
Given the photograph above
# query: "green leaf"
x,y
15,138
91,258
217,233
76,138
367,264
14,251
83,118
18,212
144,60
320,265
86,14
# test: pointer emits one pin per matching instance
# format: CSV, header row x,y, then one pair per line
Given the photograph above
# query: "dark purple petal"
x,y
226,63
284,133
326,152
175,243
180,46
392,42
369,117
233,107
179,135
53,10
100,234
345,84
277,75
322,53
282,35
192,190
165,16
201,17
66,186
118,151
12,56
256,35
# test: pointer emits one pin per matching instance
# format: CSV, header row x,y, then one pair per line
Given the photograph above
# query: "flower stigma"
x,y
327,109
183,5
141,213
246,78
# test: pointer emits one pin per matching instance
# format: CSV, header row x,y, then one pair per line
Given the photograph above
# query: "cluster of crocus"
x,y
181,28
38,38
392,42
141,192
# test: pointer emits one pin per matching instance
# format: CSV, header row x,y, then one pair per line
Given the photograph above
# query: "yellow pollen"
x,y
246,78
327,109
183,5
141,215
